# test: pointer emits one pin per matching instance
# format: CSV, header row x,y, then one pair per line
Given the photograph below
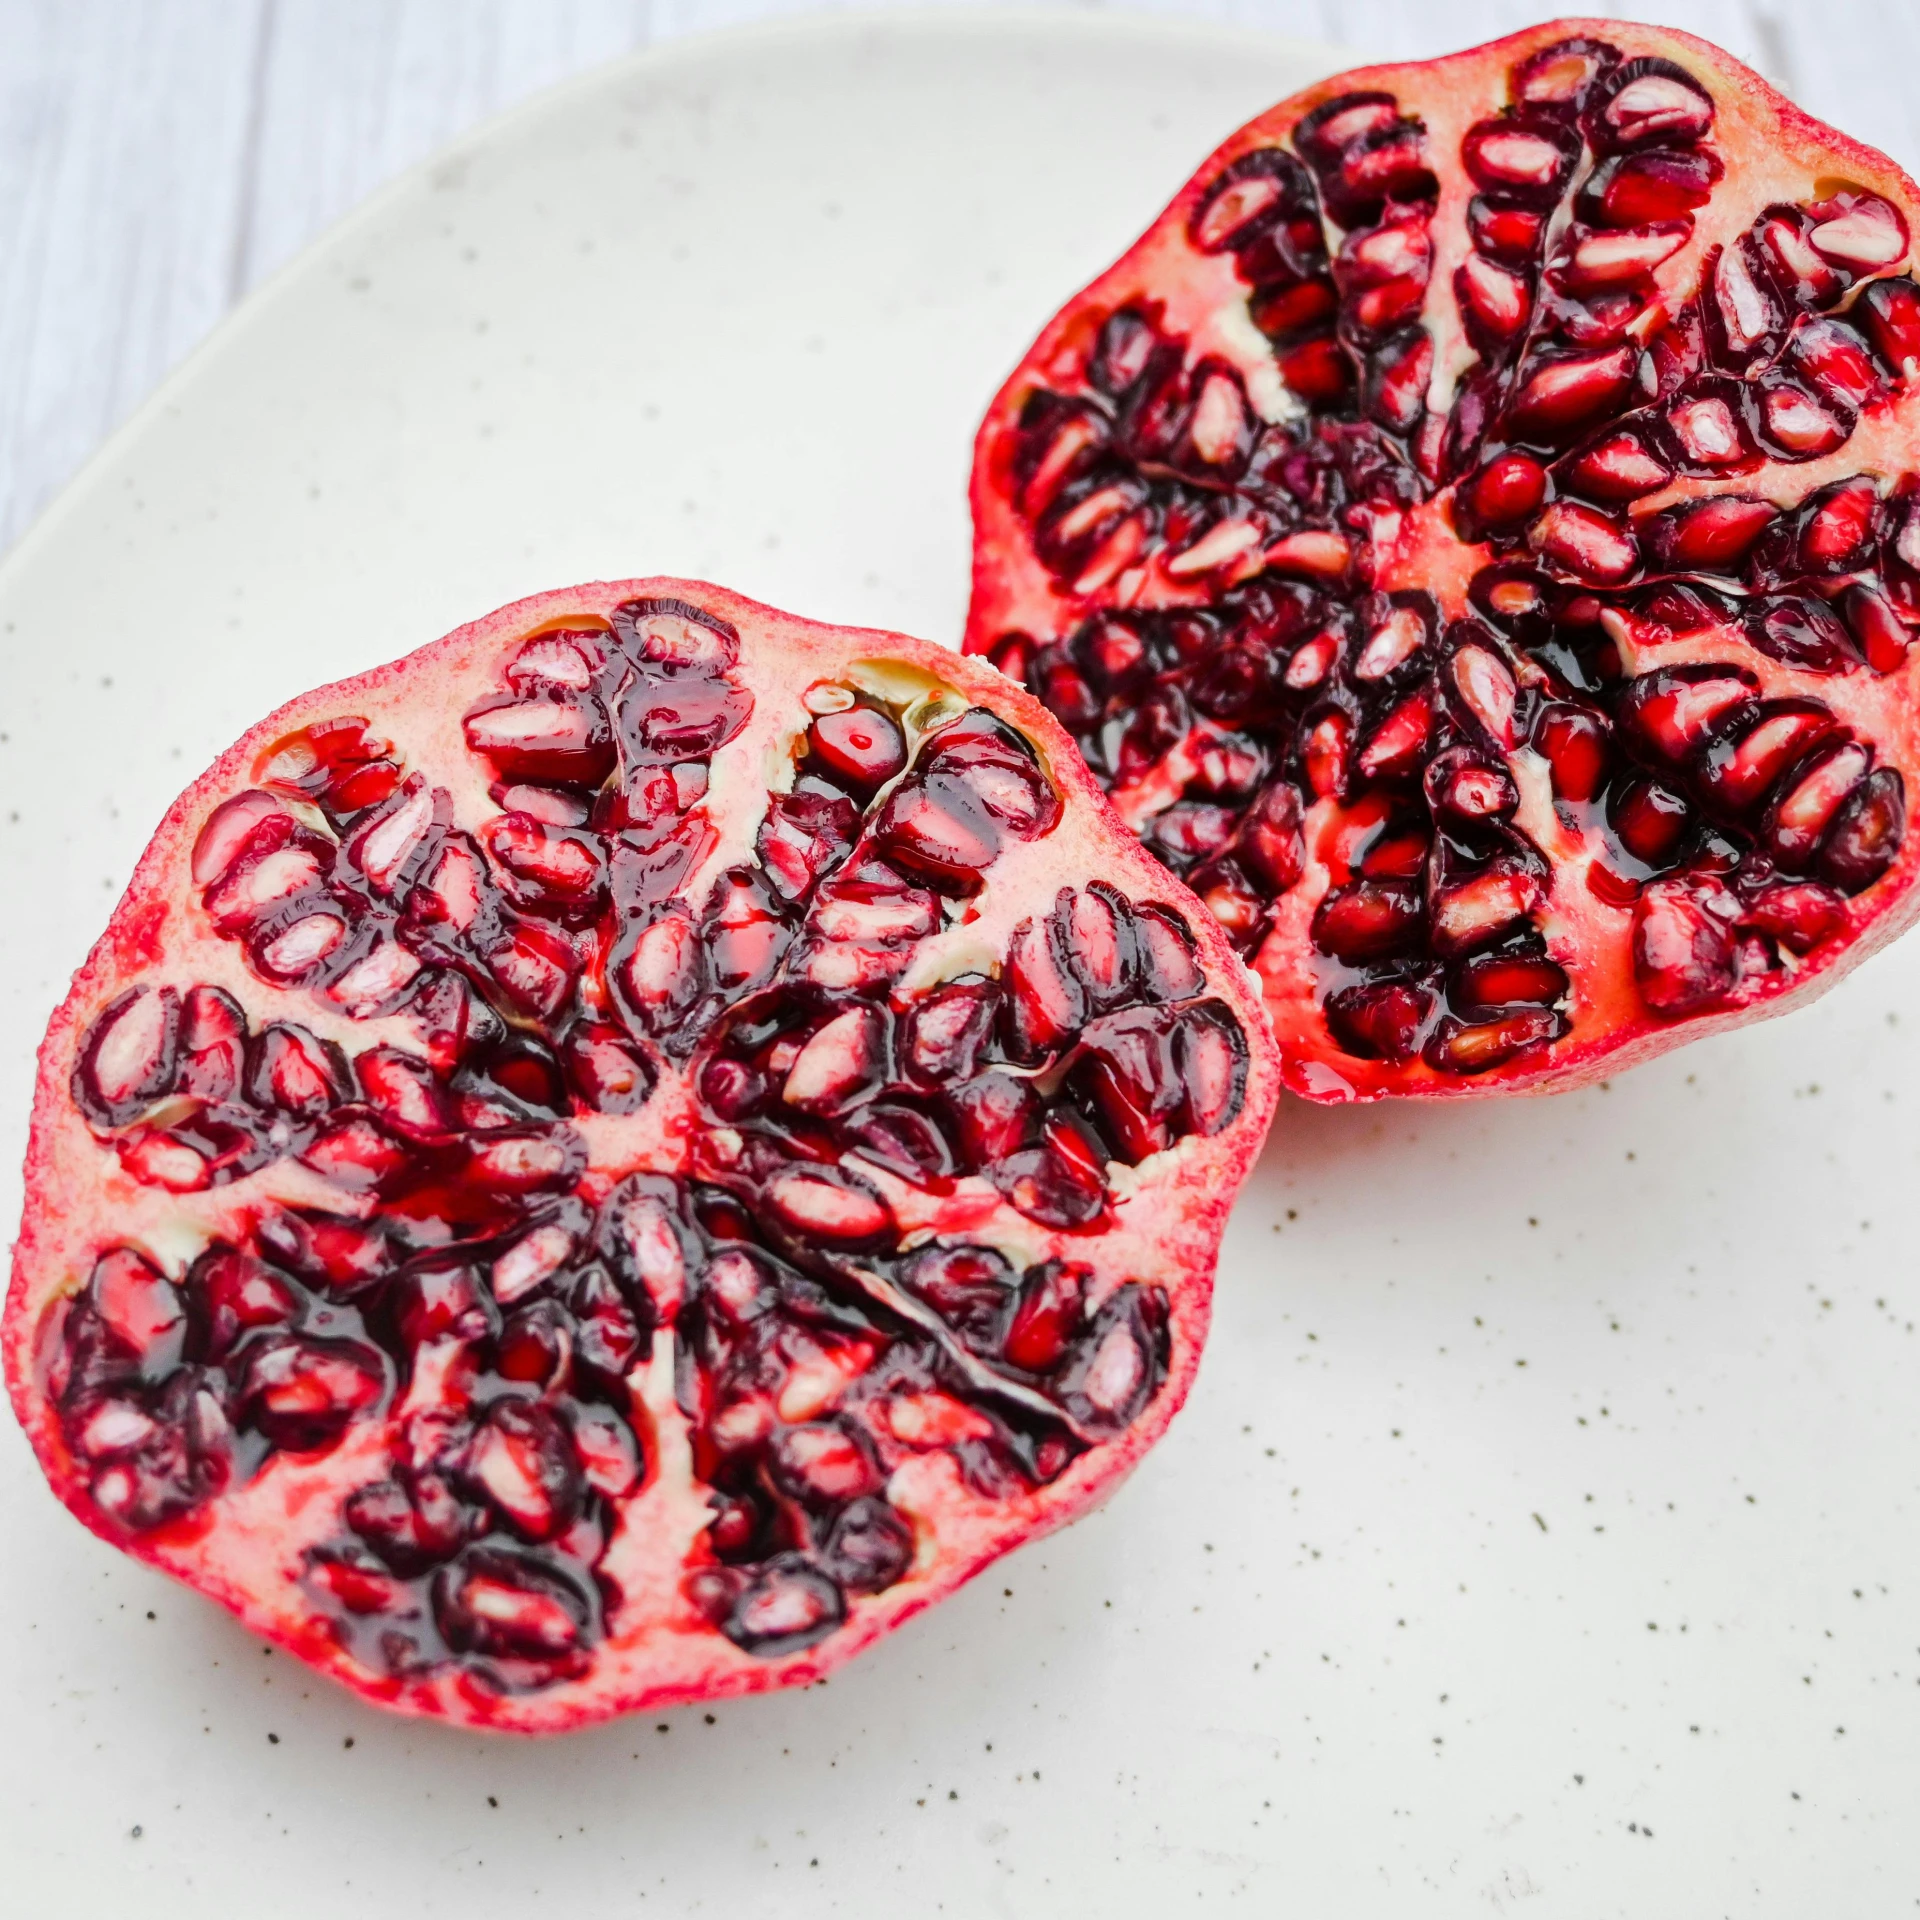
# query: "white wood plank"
x,y
122,130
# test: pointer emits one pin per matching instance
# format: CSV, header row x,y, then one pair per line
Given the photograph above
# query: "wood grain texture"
x,y
158,158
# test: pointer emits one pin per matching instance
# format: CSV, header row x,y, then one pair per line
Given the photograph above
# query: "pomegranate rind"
x,y
1784,156
244,1550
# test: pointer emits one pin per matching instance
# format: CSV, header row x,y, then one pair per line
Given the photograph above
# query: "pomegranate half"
x,y
1475,537
611,1161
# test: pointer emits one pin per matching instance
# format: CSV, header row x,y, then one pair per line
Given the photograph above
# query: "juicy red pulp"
x,y
1488,602
607,1092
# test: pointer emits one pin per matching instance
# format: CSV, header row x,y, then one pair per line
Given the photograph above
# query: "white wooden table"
x,y
158,158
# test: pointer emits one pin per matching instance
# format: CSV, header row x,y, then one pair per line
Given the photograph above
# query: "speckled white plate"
x,y
1543,1535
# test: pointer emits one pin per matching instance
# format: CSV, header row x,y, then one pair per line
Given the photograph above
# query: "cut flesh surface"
x,y
1474,535
610,1162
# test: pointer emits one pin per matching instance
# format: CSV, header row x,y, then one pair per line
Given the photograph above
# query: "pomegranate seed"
x,y
1575,744
1483,908
1798,821
1564,74
1683,949
543,739
1858,231
1836,362
1607,258
229,827
1798,914
1506,491
1708,536
1738,770
1616,469
1881,634
1643,189
1666,714
1804,634
1502,154
507,1605
302,1393
128,1059
1490,981
1367,920
862,746
1590,545
1748,316
1654,101
1457,1047
1383,1020
1796,423
1891,309
1561,396
1650,820
1867,832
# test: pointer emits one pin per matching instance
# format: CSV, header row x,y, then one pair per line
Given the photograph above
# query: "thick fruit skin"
x,y
1039,614
246,1547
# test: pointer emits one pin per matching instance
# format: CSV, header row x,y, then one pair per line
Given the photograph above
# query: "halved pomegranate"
x,y
612,1161
1475,537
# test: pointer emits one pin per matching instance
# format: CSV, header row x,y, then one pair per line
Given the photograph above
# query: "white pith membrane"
x,y
1475,537
551,1196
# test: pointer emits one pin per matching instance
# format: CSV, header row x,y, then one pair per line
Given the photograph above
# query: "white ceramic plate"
x,y
1543,1525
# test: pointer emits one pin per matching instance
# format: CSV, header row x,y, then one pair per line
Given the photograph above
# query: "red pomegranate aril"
x,y
1561,396
1324,755
1738,771
1866,834
1506,492
862,746
1803,633
1590,545
1485,907
1836,363
227,831
1507,155
1796,266
1575,743
1597,261
1796,423
1683,947
1650,820
1891,311
1382,1020
1798,820
129,1059
1654,101
1490,981
1506,233
1858,231
1666,714
1616,469
1883,637
1798,914
1392,751
1655,185
542,739
1464,787
302,1393
1708,536
1707,433
1367,920
1839,527
1457,1047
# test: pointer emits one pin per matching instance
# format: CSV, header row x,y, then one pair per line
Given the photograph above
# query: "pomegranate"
x,y
1475,538
612,1161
